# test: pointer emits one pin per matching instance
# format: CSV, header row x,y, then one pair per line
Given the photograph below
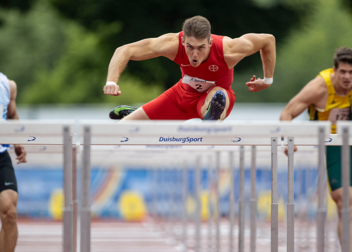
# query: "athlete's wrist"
x,y
111,83
268,81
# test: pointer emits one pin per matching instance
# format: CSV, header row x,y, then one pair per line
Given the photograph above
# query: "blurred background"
x,y
58,51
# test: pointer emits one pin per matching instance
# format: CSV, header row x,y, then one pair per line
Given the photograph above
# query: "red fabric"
x,y
179,104
182,102
223,77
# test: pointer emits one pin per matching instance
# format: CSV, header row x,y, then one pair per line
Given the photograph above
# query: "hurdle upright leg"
x,y
85,202
217,207
67,212
345,211
74,196
274,203
290,203
210,183
321,211
184,204
198,206
231,201
155,196
253,201
241,203
170,190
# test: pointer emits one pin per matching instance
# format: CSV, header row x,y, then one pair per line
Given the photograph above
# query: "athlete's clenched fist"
x,y
112,89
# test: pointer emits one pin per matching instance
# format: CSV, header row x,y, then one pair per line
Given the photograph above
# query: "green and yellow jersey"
x,y
337,107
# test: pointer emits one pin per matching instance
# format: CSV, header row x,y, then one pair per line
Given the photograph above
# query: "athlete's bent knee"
x,y
9,217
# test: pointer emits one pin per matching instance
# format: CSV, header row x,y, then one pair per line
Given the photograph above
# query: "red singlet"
x,y
185,99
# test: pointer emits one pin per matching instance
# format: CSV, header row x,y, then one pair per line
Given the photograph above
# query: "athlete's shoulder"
x,y
171,36
316,87
13,89
238,47
238,43
168,38
12,84
165,45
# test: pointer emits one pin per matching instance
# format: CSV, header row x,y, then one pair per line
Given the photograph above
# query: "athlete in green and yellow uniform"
x,y
328,97
337,108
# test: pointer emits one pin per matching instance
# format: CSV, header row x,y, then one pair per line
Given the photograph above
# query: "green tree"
x,y
30,42
78,76
304,53
57,61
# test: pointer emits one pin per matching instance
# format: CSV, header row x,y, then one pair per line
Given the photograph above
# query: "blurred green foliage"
x,y
30,42
304,53
58,61
143,19
58,51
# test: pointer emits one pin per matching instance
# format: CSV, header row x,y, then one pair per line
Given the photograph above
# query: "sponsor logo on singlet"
x,y
198,84
213,68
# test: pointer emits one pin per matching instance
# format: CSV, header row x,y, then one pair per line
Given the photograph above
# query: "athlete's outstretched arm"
x,y
12,114
239,48
165,45
312,93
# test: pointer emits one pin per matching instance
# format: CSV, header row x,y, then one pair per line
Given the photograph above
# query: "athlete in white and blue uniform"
x,y
4,102
8,183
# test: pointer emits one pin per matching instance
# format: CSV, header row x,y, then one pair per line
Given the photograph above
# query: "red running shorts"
x,y
177,103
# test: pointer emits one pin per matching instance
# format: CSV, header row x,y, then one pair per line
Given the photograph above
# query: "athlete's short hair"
x,y
343,54
198,27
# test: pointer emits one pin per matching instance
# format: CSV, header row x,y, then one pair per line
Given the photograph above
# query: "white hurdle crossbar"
x,y
208,134
27,132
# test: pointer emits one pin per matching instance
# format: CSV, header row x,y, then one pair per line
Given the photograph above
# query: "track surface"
x,y
39,236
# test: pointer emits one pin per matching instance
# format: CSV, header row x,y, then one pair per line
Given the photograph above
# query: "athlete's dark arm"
x,y
12,114
237,49
165,45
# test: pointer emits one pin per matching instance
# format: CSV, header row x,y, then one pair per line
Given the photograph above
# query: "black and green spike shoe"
x,y
216,106
121,111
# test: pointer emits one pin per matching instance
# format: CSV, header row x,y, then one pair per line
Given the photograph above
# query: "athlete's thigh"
x,y
8,184
168,106
333,165
139,114
7,173
337,196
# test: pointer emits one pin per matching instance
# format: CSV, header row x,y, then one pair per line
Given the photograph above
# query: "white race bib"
x,y
339,114
198,84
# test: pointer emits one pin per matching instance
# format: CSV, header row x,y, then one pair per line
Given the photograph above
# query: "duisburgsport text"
x,y
204,129
181,139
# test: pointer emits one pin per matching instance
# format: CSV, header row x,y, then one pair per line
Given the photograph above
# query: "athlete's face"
x,y
197,50
343,75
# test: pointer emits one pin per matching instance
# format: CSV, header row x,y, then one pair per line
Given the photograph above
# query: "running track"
x,y
40,236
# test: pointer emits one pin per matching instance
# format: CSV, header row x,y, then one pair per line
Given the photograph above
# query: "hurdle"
x,y
345,130
53,136
227,134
